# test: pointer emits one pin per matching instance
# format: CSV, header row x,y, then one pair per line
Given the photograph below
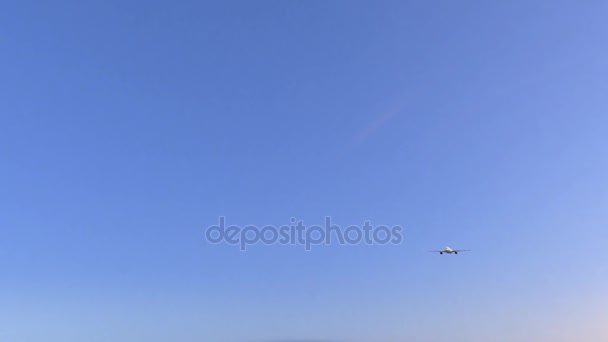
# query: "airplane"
x,y
449,250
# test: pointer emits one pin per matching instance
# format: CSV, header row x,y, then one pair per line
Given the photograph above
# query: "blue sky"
x,y
128,127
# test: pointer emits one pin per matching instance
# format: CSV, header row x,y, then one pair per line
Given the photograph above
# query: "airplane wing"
x,y
462,250
436,251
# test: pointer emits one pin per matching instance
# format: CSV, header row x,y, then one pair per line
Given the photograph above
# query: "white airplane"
x,y
449,250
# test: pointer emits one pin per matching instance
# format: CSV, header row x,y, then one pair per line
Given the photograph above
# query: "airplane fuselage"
x,y
448,250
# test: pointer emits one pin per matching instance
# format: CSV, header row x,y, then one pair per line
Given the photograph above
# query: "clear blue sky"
x,y
128,127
